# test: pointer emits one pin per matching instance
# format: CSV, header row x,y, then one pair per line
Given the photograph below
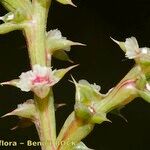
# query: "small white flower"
x,y
131,47
55,41
39,80
55,34
131,44
56,38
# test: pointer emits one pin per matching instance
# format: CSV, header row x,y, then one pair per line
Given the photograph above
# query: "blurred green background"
x,y
101,61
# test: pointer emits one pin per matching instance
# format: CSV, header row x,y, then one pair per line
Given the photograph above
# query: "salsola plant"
x,y
91,106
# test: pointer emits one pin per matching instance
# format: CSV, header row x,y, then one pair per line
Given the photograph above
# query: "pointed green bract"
x,y
66,2
121,44
60,44
62,55
56,45
61,72
25,110
12,82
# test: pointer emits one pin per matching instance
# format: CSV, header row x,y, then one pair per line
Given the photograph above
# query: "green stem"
x,y
123,93
36,32
46,121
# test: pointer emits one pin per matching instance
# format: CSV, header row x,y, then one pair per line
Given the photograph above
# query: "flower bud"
x,y
87,99
121,44
86,92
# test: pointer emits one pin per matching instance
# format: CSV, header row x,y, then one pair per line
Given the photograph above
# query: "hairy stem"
x,y
46,121
35,33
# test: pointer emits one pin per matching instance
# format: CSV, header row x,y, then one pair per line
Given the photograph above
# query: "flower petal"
x,y
131,44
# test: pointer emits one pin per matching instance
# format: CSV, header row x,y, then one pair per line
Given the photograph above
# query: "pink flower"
x,y
39,80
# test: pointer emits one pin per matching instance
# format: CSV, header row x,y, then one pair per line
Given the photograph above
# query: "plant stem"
x,y
124,92
46,121
74,130
35,33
